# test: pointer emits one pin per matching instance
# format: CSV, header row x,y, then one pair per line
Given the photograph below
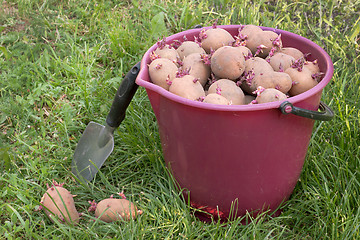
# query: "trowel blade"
x,y
94,147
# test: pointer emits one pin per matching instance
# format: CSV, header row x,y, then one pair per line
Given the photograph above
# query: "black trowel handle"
x,y
123,97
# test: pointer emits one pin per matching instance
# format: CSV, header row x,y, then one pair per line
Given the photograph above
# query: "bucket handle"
x,y
325,114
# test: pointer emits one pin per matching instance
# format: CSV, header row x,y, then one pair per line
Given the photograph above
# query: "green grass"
x,y
60,65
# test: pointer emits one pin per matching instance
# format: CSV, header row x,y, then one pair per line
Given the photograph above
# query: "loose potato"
x,y
112,209
228,89
215,98
188,47
214,38
59,202
187,87
270,95
197,67
280,61
161,71
228,62
294,52
301,80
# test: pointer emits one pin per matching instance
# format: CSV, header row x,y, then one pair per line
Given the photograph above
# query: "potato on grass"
x,y
228,62
58,202
113,209
187,87
197,67
162,71
228,89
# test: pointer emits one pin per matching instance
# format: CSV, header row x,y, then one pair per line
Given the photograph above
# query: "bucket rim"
x,y
143,75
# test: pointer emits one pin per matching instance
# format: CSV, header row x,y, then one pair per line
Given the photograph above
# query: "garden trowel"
x,y
97,141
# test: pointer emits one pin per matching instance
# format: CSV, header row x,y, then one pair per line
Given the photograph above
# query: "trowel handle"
x,y
123,97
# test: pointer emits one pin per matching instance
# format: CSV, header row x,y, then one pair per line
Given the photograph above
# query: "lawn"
x,y
61,63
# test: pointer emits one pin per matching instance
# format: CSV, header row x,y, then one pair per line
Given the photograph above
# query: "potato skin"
x,y
188,47
229,90
294,52
254,68
112,209
59,201
162,69
255,37
215,98
281,61
302,80
278,80
197,67
228,62
187,87
168,52
270,95
214,38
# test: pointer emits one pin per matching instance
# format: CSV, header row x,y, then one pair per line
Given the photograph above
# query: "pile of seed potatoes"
x,y
218,68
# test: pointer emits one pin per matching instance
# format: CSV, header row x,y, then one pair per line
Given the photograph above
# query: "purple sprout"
x,y
202,34
161,43
298,64
176,44
258,90
182,72
248,77
93,205
196,40
317,76
196,80
154,56
281,68
248,56
206,58
218,90
215,23
158,66
259,49
277,41
121,194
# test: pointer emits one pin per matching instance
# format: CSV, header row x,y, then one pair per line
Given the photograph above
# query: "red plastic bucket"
x,y
238,158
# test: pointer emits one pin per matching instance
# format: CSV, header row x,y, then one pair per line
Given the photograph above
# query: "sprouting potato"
x,y
188,47
280,61
187,87
269,95
228,62
294,52
58,202
228,89
197,67
301,80
214,38
215,98
162,71
168,52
